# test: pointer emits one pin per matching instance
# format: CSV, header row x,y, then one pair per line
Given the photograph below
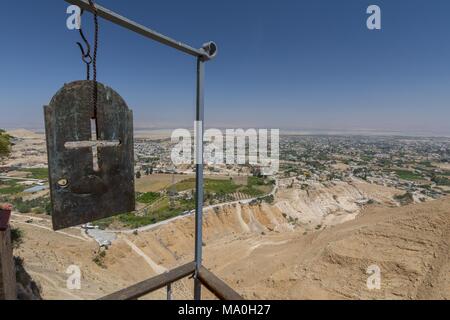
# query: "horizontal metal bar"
x,y
153,284
90,144
146,32
219,288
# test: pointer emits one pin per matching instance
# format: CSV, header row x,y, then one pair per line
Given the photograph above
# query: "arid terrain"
x,y
260,252
312,232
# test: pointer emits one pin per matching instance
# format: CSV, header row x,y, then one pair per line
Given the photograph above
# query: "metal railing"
x,y
219,288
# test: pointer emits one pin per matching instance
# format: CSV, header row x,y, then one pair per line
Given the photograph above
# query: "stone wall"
x,y
7,269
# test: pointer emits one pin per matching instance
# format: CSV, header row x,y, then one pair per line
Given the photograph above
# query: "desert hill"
x,y
261,253
409,244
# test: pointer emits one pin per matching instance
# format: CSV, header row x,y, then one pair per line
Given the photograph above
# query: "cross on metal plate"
x,y
91,162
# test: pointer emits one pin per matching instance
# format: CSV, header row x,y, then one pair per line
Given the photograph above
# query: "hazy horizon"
x,y
296,65
166,131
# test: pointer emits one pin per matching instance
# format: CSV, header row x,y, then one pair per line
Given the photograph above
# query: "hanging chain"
x,y
94,61
88,60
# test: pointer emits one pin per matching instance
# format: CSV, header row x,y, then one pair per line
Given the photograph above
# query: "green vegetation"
x,y
184,185
295,171
38,205
252,191
256,186
220,186
427,164
16,237
441,181
161,212
37,173
405,199
10,188
99,259
105,223
148,197
408,175
160,207
5,144
257,181
212,186
268,199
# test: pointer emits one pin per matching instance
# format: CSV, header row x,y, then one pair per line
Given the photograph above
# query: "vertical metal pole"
x,y
199,126
169,292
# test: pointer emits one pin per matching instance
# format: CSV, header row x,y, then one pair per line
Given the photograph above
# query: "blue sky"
x,y
289,64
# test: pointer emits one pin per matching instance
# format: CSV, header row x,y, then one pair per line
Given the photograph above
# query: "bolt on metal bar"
x,y
146,32
199,176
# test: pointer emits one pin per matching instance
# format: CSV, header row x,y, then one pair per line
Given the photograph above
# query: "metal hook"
x,y
86,55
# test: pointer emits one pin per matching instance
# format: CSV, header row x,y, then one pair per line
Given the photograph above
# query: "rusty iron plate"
x,y
91,163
